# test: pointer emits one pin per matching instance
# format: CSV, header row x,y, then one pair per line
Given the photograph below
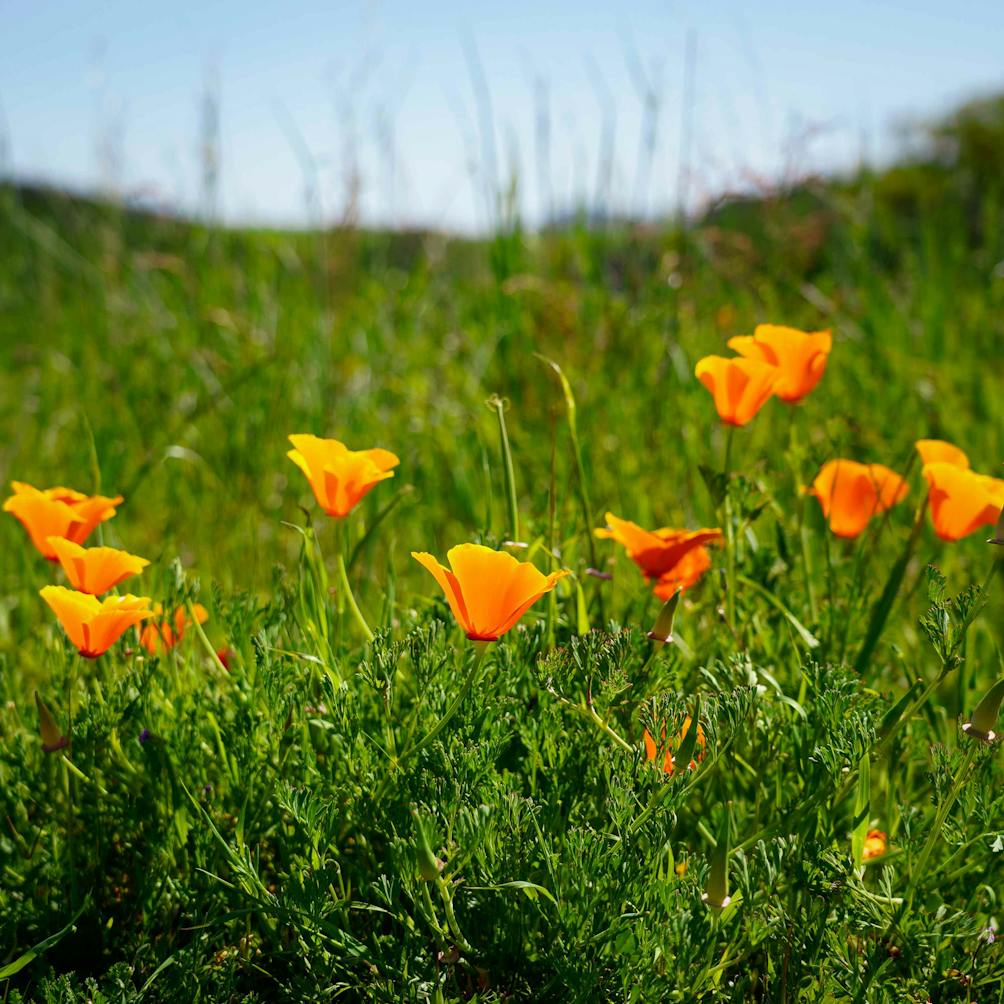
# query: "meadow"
x,y
323,788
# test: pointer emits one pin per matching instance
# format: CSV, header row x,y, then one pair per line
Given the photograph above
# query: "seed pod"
x,y
688,744
984,717
52,738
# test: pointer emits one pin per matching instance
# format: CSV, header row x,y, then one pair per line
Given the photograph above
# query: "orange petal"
x,y
95,570
739,387
937,451
42,517
448,583
961,500
74,610
851,493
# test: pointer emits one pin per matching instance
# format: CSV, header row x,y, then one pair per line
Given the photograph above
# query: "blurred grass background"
x,y
168,360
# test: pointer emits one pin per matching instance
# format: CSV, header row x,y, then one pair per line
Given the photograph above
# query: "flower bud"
x,y
984,717
52,738
716,893
663,630
428,866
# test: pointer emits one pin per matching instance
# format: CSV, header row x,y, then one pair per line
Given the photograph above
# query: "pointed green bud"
x,y
52,737
428,866
663,630
983,719
716,893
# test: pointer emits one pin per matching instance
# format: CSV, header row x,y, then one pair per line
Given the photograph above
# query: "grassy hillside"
x,y
219,833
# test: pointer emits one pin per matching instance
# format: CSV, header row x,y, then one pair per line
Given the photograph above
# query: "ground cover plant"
x,y
731,737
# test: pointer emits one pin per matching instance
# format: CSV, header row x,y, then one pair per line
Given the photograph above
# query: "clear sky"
x,y
411,113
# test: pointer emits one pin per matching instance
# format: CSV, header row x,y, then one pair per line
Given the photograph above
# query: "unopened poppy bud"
x,y
52,738
663,630
716,893
998,537
983,719
428,866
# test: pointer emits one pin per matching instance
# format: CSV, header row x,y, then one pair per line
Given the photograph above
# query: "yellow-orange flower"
x,y
961,500
851,493
668,764
95,625
58,512
674,558
488,591
95,570
162,633
740,387
875,845
937,451
339,477
799,356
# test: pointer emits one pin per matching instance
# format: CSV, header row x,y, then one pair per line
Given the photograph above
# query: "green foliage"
x,y
313,815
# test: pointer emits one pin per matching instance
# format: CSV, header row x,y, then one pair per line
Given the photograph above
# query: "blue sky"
x,y
415,102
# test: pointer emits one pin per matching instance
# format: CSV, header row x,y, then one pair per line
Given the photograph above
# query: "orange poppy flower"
x,y
58,512
676,558
851,493
740,387
165,635
799,356
488,591
95,570
340,477
875,845
937,451
961,500
95,625
668,765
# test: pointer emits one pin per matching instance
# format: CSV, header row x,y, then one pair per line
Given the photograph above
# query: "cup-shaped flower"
x,y
961,500
740,387
340,477
164,632
673,559
652,750
875,845
850,494
937,451
488,591
799,356
58,512
95,570
95,625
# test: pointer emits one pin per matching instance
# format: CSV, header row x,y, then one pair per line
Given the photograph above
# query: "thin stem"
x,y
730,544
943,810
346,591
794,454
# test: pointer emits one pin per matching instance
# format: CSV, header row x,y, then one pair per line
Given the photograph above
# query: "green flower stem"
x,y
451,918
730,544
794,455
939,820
346,591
